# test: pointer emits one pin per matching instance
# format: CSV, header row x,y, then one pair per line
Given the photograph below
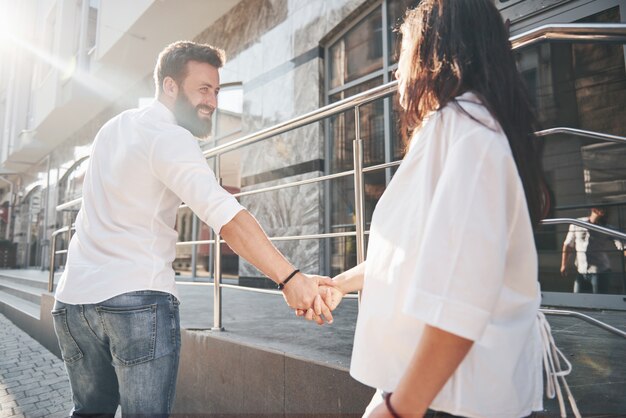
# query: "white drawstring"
x,y
552,357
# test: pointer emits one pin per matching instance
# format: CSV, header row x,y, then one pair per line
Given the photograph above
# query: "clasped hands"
x,y
313,297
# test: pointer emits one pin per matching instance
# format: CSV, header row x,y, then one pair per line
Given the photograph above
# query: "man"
x,y
592,254
116,311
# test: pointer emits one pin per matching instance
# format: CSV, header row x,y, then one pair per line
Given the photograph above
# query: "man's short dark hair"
x,y
172,61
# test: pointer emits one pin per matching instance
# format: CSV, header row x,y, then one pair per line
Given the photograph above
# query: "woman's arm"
x,y
437,356
350,280
344,283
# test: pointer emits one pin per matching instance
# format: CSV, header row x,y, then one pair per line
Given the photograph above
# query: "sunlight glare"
x,y
9,25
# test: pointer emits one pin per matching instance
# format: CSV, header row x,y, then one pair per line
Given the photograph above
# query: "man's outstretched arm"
x,y
246,237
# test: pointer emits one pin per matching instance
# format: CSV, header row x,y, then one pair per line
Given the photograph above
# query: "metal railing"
x,y
572,32
587,225
54,252
583,134
586,318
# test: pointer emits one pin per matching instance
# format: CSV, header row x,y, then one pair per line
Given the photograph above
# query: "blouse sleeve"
x,y
179,164
461,261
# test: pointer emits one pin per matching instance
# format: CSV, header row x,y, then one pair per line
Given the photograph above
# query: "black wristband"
x,y
387,397
281,286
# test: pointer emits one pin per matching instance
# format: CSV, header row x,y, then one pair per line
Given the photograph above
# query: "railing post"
x,y
358,188
69,238
194,247
217,269
53,250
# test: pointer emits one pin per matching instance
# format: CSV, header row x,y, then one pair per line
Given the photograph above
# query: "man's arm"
x,y
565,259
246,237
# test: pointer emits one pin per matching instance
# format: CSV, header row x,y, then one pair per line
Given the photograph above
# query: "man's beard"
x,y
187,117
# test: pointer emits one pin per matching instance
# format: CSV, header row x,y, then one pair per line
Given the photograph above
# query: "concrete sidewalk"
x,y
33,382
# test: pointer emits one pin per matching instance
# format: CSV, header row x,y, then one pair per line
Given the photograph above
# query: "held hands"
x,y
331,297
302,293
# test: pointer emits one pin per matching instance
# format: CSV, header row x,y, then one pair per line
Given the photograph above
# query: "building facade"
x,y
285,58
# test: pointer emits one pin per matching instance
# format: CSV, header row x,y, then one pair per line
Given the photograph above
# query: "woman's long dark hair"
x,y
455,46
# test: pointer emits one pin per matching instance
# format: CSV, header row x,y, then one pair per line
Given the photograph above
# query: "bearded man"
x,y
116,310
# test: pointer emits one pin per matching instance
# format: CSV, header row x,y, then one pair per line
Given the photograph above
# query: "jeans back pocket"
x,y
131,332
70,352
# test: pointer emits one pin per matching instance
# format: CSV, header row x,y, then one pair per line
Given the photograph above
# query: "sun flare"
x,y
9,23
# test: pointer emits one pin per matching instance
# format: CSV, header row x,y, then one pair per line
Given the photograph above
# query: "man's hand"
x,y
301,293
330,295
564,270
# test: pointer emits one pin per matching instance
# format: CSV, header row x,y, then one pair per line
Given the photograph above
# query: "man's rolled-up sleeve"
x,y
179,164
570,238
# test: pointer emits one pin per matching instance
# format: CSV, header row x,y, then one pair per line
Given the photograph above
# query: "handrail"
x,y
308,118
586,318
572,32
582,133
53,254
69,204
588,225
542,133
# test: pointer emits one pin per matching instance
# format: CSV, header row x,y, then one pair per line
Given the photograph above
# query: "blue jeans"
x,y
123,351
593,282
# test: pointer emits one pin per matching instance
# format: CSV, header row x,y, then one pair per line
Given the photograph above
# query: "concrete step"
x,y
33,281
23,291
29,308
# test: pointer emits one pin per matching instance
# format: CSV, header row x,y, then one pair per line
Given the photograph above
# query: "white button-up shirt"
x,y
142,166
592,248
451,246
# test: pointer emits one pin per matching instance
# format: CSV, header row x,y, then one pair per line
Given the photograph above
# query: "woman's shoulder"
x,y
466,121
468,111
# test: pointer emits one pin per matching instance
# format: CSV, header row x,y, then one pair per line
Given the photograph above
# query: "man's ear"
x,y
170,87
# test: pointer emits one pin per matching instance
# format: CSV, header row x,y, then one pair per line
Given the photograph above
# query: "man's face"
x,y
197,98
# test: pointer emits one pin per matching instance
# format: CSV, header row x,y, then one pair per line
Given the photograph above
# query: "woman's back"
x,y
451,246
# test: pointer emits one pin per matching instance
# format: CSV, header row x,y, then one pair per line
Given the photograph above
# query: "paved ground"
x,y
33,382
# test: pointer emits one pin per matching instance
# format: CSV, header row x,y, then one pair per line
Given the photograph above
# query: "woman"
x,y
449,312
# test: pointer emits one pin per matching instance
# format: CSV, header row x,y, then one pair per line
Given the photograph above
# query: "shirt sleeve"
x,y
462,258
179,164
570,238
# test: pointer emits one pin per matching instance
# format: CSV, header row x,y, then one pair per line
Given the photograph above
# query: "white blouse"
x,y
451,246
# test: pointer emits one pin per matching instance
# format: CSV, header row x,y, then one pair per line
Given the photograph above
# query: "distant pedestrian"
x,y
591,254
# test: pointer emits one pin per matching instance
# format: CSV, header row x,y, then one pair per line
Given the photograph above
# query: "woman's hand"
x,y
330,295
333,291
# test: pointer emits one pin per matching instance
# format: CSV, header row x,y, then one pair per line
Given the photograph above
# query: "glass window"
x,y
229,109
92,25
581,85
358,52
361,58
371,125
395,13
